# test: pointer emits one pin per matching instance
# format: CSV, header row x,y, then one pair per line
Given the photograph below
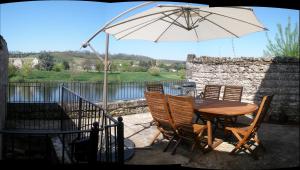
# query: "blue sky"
x,y
63,25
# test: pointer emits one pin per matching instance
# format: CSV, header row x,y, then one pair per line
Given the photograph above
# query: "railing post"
x,y
79,116
120,140
93,147
62,108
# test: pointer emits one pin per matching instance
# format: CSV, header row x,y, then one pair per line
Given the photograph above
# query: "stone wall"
x,y
121,108
258,76
3,85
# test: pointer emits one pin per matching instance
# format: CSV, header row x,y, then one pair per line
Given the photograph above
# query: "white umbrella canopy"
x,y
187,23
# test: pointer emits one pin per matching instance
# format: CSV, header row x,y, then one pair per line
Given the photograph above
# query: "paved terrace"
x,y
281,143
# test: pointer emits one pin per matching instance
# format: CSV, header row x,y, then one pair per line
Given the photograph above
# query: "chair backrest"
x,y
159,109
182,112
212,92
233,93
262,111
158,87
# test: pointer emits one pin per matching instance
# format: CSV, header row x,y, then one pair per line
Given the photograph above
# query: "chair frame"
x,y
162,119
155,87
228,96
248,134
182,115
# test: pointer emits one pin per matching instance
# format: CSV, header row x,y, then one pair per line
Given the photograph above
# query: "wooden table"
x,y
220,108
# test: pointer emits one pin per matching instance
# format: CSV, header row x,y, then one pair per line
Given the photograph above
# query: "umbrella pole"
x,y
105,75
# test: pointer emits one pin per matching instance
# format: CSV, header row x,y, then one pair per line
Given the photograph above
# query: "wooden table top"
x,y
227,108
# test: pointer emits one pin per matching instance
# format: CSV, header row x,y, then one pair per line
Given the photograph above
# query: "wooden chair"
x,y
247,136
182,112
158,87
159,110
211,92
231,93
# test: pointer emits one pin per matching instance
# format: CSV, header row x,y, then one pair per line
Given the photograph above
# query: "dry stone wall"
x,y
258,76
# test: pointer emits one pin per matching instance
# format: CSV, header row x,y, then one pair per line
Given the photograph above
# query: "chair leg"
x,y
259,142
166,148
156,136
176,145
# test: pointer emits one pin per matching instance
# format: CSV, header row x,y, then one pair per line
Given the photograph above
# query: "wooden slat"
x,y
212,92
233,93
155,87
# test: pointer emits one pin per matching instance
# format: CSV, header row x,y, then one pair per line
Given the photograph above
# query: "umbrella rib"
x,y
185,17
181,26
146,25
222,28
175,22
194,29
140,18
218,25
232,18
167,28
202,18
135,26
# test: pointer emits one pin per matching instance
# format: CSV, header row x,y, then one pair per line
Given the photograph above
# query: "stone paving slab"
x,y
281,142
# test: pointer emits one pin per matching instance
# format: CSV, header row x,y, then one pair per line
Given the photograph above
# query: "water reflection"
x,y
51,92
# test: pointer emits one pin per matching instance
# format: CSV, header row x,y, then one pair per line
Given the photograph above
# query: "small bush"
x,y
58,67
181,73
154,71
12,70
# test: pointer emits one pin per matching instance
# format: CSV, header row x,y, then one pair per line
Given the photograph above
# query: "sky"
x,y
35,26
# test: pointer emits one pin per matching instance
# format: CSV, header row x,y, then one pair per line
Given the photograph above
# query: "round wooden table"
x,y
220,108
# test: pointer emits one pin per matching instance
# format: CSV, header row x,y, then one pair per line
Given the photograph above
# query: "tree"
x,y
144,64
46,61
26,70
12,70
285,44
66,65
99,66
88,65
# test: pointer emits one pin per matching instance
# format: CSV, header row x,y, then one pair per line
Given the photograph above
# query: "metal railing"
x,y
117,90
86,132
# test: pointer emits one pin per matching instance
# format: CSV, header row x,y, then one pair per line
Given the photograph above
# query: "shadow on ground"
x,y
281,143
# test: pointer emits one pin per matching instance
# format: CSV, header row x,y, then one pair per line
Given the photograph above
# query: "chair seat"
x,y
194,129
240,130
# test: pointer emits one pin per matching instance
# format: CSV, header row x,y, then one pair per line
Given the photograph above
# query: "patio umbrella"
x,y
187,23
179,23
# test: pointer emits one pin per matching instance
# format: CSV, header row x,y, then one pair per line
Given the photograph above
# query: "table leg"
x,y
210,139
209,133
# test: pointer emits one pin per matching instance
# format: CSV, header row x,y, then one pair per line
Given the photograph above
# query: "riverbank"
x,y
38,75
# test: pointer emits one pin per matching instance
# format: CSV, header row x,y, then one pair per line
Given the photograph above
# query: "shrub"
x,y
154,71
26,70
12,70
181,73
66,65
58,67
46,61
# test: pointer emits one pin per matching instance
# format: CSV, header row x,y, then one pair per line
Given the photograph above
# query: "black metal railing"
x,y
83,114
85,132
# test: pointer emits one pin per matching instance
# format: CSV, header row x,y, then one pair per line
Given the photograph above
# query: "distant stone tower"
x,y
3,85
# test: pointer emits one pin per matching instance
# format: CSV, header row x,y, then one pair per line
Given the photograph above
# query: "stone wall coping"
x,y
240,60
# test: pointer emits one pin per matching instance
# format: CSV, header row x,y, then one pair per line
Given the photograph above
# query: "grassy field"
x,y
37,75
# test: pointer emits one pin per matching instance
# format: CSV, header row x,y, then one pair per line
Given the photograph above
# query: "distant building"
x,y
18,63
34,62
